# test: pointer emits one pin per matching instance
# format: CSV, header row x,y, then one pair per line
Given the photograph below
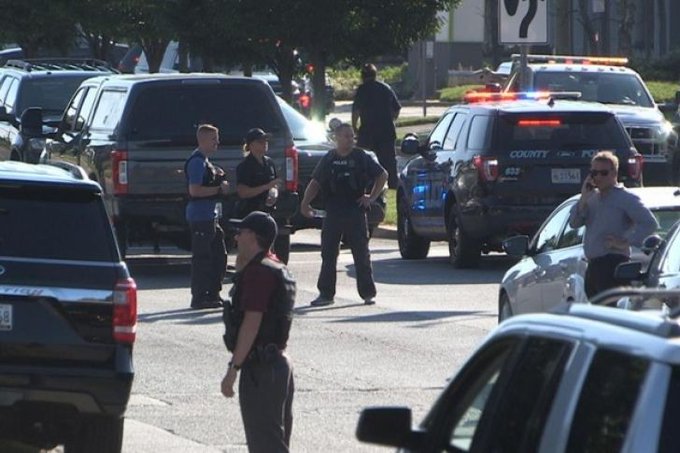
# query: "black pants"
x,y
208,261
600,274
266,390
384,149
353,225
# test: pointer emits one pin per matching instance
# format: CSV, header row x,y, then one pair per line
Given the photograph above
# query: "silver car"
x,y
552,264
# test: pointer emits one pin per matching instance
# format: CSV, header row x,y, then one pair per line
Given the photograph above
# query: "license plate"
x,y
5,317
566,175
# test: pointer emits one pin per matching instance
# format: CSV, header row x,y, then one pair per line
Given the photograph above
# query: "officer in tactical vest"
x,y
343,175
208,254
257,323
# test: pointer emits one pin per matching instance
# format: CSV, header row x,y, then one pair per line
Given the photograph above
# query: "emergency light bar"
x,y
474,97
572,59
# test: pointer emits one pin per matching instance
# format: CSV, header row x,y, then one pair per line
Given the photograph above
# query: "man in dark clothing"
x,y
263,297
376,107
208,253
343,174
614,219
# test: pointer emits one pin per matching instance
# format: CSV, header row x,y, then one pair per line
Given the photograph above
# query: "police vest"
x,y
348,175
210,177
276,321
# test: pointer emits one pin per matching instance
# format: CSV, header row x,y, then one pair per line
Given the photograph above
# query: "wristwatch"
x,y
234,366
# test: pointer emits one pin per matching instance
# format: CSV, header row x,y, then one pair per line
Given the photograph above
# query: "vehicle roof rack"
x,y
661,326
61,64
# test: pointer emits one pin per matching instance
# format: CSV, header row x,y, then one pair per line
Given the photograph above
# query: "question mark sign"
x,y
511,7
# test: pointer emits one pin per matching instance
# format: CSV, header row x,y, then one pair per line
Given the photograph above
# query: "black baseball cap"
x,y
256,134
261,223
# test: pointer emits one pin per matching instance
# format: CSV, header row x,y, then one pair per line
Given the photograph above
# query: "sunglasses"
x,y
594,173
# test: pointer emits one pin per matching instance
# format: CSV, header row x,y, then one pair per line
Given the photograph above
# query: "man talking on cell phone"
x,y
615,219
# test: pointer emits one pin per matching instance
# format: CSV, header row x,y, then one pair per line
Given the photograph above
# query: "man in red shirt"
x,y
263,297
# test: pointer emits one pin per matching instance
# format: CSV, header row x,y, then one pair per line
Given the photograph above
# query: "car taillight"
x,y
635,164
125,311
291,169
119,167
487,167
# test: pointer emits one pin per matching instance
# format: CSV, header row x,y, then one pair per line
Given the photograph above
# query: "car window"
x,y
671,259
607,401
11,97
439,131
669,442
51,94
571,236
24,212
108,110
4,88
479,135
86,108
666,218
72,110
520,416
233,108
547,238
452,135
559,131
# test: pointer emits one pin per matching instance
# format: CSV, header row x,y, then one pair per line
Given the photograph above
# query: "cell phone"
x,y
590,186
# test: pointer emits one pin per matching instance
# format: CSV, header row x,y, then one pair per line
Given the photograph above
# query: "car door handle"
x,y
564,266
539,272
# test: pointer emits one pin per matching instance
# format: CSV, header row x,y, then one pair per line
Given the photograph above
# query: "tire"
x,y
411,246
504,307
464,251
103,434
282,247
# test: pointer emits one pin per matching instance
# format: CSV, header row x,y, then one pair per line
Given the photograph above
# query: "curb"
x,y
385,232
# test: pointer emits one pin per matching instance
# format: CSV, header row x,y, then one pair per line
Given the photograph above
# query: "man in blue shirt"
x,y
206,183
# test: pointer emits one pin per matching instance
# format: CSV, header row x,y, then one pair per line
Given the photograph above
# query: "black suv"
x,y
497,168
133,134
606,80
68,312
46,83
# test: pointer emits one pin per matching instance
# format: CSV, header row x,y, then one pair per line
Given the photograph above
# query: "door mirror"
x,y
4,116
389,426
31,123
410,145
516,246
651,244
629,271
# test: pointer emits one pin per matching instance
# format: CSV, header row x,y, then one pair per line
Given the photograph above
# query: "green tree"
x,y
100,24
149,23
39,26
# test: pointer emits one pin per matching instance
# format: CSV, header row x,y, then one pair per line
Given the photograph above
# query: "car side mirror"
x,y
516,246
32,123
410,146
390,426
4,116
651,244
629,271
667,107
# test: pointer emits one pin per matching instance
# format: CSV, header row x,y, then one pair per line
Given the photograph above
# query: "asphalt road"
x,y
427,319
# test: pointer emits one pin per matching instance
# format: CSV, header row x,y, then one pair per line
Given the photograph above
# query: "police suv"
x,y
497,166
606,80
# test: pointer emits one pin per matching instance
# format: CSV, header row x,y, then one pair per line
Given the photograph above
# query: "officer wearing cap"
x,y
256,180
205,184
263,297
343,175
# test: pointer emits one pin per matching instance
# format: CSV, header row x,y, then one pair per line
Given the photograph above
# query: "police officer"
x,y
375,108
343,175
263,297
256,180
208,254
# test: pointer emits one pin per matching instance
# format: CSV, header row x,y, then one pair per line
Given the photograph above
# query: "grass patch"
x,y
390,207
416,120
455,94
663,91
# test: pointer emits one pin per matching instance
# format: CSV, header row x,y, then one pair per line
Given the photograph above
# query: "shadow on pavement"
x,y
184,316
411,316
